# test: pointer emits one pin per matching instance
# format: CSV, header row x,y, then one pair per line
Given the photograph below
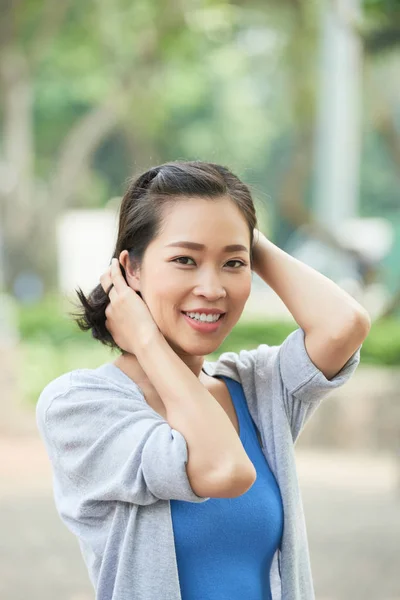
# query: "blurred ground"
x,y
351,504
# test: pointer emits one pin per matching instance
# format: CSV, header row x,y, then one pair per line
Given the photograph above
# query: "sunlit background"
x,y
301,99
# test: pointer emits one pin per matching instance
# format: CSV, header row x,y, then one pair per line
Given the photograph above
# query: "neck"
x,y
130,365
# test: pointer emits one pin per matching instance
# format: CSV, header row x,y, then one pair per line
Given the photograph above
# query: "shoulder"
x,y
85,386
267,364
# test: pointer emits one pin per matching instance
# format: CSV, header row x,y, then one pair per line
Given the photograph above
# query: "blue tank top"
x,y
225,546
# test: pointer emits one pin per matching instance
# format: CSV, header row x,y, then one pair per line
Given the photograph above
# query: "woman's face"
x,y
207,276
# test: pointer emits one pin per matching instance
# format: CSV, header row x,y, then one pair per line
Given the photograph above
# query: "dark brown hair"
x,y
140,221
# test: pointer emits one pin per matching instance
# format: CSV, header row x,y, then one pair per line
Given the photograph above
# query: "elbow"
x,y
226,484
239,483
358,325
365,322
362,324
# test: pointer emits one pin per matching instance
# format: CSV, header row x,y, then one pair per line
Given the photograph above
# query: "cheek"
x,y
161,295
243,289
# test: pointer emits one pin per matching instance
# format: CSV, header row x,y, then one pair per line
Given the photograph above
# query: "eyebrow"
x,y
196,246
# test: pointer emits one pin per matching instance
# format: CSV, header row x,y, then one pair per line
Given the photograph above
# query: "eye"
x,y
240,263
183,258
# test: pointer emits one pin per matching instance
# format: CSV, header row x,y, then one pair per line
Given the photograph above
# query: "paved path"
x,y
351,504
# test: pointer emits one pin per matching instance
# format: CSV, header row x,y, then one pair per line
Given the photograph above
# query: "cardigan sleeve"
x,y
301,377
106,444
304,385
283,376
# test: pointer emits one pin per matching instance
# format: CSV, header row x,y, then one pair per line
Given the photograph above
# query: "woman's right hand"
x,y
128,318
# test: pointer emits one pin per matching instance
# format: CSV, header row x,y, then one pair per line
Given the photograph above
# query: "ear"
x,y
132,274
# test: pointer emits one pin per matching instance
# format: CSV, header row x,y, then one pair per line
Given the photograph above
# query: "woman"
x,y
176,474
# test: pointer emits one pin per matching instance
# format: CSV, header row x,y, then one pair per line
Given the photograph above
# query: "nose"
x,y
209,286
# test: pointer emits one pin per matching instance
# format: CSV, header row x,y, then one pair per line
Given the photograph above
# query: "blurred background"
x,y
301,99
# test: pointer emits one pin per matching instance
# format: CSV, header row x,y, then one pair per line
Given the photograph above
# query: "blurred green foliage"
x,y
44,361
106,89
52,344
48,323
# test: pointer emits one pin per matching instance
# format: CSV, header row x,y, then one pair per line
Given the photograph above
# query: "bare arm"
x,y
218,463
335,324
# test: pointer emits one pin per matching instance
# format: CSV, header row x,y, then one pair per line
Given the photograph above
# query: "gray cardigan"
x,y
116,464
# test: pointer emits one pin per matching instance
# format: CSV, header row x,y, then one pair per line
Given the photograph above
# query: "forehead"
x,y
202,219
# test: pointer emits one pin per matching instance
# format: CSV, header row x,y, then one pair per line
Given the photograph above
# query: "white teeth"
x,y
203,317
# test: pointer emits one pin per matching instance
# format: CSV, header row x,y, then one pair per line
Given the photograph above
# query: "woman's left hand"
x,y
128,319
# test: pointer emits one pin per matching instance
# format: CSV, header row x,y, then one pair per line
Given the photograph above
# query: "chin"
x,y
199,348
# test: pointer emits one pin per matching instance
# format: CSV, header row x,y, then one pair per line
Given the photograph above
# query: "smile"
x,y
202,322
211,318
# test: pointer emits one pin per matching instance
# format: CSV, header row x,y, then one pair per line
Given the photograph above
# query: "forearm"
x,y
213,444
315,301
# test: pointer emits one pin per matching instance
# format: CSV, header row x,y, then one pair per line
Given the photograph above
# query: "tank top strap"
x,y
248,429
239,401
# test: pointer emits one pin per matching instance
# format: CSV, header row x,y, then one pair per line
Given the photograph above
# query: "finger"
x,y
105,280
112,293
106,284
117,277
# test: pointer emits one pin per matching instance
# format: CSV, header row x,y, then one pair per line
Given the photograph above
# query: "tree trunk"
x,y
76,152
295,179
